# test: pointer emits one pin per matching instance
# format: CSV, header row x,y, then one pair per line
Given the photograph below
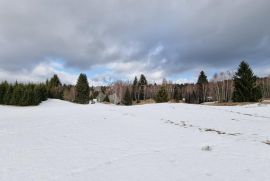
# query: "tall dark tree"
x,y
202,79
33,98
201,87
3,91
8,94
162,95
28,96
191,97
55,89
135,89
127,100
106,99
142,80
82,90
177,93
245,86
42,91
142,87
55,81
17,94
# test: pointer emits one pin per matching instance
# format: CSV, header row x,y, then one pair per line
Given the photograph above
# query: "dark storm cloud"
x,y
172,36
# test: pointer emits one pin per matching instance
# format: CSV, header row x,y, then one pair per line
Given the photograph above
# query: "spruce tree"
x,y
202,81
177,94
162,95
135,89
142,85
55,89
127,98
32,95
191,97
55,81
106,99
3,90
41,88
38,94
25,101
82,90
135,82
8,94
17,94
245,86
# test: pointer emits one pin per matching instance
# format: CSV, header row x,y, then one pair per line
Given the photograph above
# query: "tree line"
x,y
242,86
20,94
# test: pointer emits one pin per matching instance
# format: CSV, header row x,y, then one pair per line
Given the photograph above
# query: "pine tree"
x,y
142,86
191,97
55,81
8,94
127,100
135,82
162,95
106,99
135,89
202,81
82,90
3,90
28,96
17,94
38,94
245,86
177,94
42,89
32,99
55,89
25,101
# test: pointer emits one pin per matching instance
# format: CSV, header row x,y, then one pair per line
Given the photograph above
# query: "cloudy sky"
x,y
118,39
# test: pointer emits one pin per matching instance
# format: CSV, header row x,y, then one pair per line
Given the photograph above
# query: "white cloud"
x,y
155,37
185,80
39,73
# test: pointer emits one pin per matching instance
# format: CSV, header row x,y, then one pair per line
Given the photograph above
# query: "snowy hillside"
x,y
61,141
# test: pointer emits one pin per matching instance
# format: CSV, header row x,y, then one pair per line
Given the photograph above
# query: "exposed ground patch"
x,y
186,125
267,142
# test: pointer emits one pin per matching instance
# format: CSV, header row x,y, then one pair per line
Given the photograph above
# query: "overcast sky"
x,y
118,39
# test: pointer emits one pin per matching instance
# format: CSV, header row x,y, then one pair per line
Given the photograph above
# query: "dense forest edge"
x,y
241,86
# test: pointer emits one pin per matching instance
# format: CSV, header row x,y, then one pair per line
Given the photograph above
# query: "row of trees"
x,y
243,86
138,92
162,96
139,88
20,94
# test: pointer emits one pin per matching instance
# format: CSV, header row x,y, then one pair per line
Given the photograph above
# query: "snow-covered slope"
x,y
61,141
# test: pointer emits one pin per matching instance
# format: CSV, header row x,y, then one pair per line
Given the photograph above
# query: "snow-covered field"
x,y
61,141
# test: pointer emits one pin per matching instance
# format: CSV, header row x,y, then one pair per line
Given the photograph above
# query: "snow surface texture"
x,y
61,141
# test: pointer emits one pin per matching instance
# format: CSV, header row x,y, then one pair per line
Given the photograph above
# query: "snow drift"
x,y
63,141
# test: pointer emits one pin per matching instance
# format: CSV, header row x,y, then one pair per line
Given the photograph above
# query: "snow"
x,y
59,141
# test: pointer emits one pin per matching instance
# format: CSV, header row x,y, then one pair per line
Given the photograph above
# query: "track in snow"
x,y
63,141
